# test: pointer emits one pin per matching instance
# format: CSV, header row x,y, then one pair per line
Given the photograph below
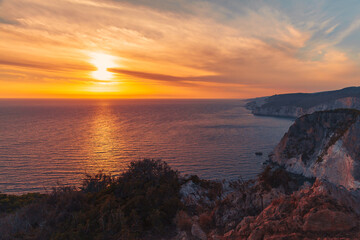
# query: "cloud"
x,y
346,32
5,21
232,45
331,29
46,66
154,76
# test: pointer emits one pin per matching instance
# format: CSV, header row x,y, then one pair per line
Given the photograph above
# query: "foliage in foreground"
x,y
10,203
141,202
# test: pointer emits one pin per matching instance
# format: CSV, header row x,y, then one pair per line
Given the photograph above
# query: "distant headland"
x,y
298,104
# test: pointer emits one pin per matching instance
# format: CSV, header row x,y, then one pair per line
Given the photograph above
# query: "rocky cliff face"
x,y
296,111
323,145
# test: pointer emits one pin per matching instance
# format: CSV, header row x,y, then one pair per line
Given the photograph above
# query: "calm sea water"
x,y
46,142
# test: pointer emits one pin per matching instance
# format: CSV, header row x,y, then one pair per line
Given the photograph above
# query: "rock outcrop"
x,y
322,211
299,104
323,145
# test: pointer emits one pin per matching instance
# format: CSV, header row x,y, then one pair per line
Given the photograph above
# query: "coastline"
x,y
152,201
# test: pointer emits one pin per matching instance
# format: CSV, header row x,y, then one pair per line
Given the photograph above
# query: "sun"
x,y
102,62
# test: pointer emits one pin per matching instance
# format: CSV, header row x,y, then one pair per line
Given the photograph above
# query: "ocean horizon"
x,y
45,143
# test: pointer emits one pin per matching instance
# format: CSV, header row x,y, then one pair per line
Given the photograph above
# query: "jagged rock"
x,y
257,234
243,228
235,207
322,210
192,194
275,193
214,236
196,231
328,221
204,193
244,202
323,145
229,233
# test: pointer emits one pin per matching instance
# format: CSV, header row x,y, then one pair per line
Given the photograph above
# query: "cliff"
x,y
299,104
323,145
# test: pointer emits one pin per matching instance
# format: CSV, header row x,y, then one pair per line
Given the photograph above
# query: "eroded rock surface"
x,y
317,212
323,145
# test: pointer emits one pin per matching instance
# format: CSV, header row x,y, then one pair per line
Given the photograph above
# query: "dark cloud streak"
x,y
191,80
154,76
46,66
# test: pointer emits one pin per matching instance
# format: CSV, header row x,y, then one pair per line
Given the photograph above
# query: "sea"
x,y
50,143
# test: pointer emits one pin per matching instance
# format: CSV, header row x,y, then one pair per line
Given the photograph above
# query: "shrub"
x,y
139,203
97,182
10,203
150,188
273,178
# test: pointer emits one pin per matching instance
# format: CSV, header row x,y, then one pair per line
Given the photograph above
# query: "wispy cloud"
x,y
46,66
198,46
347,31
331,29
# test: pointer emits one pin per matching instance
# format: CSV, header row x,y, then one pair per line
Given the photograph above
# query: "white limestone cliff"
x,y
323,145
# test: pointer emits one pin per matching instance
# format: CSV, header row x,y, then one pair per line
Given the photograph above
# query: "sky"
x,y
177,48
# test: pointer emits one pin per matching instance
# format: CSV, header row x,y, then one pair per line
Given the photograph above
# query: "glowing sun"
x,y
102,62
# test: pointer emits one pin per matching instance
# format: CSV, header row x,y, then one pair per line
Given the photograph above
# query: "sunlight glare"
x,y
102,62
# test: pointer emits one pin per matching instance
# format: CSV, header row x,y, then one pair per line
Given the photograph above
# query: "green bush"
x,y
10,203
149,190
141,202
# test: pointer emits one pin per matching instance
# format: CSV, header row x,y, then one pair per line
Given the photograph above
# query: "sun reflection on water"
x,y
104,145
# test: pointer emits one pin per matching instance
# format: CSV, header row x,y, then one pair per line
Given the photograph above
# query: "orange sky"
x,y
175,49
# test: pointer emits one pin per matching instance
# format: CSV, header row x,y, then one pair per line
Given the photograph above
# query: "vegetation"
x,y
10,203
142,202
274,177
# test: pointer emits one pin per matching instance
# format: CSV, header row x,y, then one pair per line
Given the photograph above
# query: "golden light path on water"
x,y
103,141
61,140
